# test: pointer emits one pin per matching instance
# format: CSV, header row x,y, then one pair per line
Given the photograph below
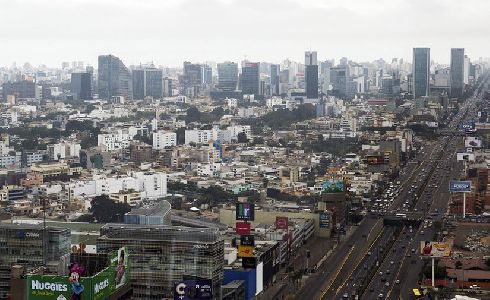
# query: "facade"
x,y
20,89
162,255
163,139
228,76
167,87
200,136
275,72
95,158
63,150
114,78
457,72
22,244
250,78
421,72
311,75
339,78
81,86
147,82
207,74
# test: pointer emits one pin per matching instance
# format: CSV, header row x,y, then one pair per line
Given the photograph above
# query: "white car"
x,y
474,287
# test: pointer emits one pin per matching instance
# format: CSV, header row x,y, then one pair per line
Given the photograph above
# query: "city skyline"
x,y
172,32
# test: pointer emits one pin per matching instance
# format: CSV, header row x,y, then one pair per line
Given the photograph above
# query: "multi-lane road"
x,y
382,262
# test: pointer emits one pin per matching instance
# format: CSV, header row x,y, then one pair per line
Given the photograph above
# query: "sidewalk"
x,y
284,287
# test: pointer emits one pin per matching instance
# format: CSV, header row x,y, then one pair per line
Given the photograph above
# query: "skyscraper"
x,y
147,82
311,75
81,86
275,71
207,74
227,76
421,72
250,78
114,78
457,72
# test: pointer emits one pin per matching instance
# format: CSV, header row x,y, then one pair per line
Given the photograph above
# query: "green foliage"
x,y
242,137
105,210
283,118
194,115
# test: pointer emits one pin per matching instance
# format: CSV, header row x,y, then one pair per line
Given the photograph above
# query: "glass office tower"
x,y
421,72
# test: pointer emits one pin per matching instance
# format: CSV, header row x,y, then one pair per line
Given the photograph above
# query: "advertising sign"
x,y
245,251
333,186
467,126
282,223
201,289
97,287
247,240
456,186
249,262
242,228
245,211
472,142
434,249
465,156
324,220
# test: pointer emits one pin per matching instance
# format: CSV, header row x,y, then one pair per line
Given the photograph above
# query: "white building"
x,y
162,139
231,133
120,138
200,136
63,150
151,185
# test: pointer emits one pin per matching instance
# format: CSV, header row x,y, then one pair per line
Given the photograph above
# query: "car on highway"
x,y
474,287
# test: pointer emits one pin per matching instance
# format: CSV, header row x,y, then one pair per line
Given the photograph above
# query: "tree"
x,y
242,137
105,210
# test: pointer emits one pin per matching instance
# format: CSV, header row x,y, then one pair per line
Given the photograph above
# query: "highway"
x,y
382,262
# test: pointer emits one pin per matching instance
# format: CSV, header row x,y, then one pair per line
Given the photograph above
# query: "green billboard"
x,y
73,287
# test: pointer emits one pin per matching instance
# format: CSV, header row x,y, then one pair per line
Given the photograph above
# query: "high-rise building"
x,y
207,74
114,78
32,246
421,72
466,69
167,87
227,76
162,255
147,82
339,78
23,89
81,86
275,72
311,75
250,78
457,72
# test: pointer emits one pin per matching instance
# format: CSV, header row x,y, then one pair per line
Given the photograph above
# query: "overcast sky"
x,y
168,32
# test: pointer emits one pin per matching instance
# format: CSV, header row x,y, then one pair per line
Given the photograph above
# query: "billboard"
x,y
282,222
245,211
459,186
434,249
472,142
247,240
249,262
467,126
324,220
98,287
199,289
375,160
245,251
242,228
333,186
465,156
